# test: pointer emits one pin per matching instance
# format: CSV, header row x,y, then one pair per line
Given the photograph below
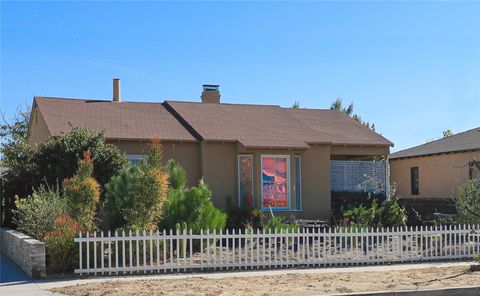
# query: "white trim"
x,y
289,191
238,177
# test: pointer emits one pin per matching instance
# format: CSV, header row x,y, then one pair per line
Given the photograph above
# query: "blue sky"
x,y
412,68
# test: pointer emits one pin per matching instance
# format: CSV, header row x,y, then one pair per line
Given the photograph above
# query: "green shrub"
x,y
60,246
118,196
278,223
58,157
342,201
388,213
244,218
35,214
136,196
177,177
194,207
83,193
467,201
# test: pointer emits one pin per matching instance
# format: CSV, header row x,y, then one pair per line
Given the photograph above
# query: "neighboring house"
x,y
256,155
436,169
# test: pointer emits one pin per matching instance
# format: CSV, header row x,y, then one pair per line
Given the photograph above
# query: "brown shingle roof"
x,y
261,126
251,125
273,126
337,127
465,141
125,120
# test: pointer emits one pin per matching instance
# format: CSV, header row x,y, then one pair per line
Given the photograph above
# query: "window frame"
x,y
239,168
298,177
289,191
414,184
139,157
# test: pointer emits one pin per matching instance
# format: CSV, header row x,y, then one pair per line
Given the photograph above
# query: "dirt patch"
x,y
286,284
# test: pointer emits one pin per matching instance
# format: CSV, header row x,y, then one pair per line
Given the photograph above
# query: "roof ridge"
x,y
437,140
220,104
94,100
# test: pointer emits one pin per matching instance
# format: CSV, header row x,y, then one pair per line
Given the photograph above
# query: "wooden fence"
x,y
183,251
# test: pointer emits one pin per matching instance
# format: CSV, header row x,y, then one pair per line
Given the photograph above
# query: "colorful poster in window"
x,y
275,182
246,181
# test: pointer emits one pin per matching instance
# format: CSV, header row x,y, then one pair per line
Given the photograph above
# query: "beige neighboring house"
x,y
436,169
257,155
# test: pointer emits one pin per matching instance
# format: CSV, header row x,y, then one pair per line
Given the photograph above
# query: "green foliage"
x,y
118,195
136,196
244,218
388,213
447,133
342,201
177,177
60,246
467,201
83,193
57,158
14,150
278,223
194,207
36,213
338,105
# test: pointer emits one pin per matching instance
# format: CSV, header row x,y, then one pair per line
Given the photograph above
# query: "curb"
x,y
457,291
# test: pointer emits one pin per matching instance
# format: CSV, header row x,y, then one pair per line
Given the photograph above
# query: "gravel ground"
x,y
286,284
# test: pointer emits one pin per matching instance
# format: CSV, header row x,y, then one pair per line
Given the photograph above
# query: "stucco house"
x,y
257,155
436,169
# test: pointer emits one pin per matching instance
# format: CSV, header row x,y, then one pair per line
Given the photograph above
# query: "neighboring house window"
x,y
136,159
245,181
298,182
415,181
275,182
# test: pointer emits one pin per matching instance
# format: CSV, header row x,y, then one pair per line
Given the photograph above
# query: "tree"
x,y
296,105
192,206
51,161
16,155
136,196
82,192
338,105
467,201
447,133
58,157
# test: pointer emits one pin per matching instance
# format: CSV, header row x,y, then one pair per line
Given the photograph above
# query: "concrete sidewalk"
x,y
13,281
49,284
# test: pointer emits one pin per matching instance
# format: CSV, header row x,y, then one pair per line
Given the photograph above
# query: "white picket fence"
x,y
182,251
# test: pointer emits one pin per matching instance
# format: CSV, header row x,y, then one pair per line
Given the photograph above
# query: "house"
x,y
256,155
436,169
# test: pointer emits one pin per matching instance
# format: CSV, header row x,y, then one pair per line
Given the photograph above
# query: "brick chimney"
x,y
210,94
116,90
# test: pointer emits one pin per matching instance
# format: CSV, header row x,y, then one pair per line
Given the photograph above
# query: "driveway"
x,y
13,281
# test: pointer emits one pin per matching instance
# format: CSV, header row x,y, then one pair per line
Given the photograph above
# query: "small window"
x,y
415,181
298,182
136,159
245,181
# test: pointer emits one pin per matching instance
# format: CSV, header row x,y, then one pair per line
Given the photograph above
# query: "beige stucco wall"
x,y
439,175
219,170
186,153
354,151
38,128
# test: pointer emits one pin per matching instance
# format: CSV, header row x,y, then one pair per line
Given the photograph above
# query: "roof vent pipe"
x,y
116,90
